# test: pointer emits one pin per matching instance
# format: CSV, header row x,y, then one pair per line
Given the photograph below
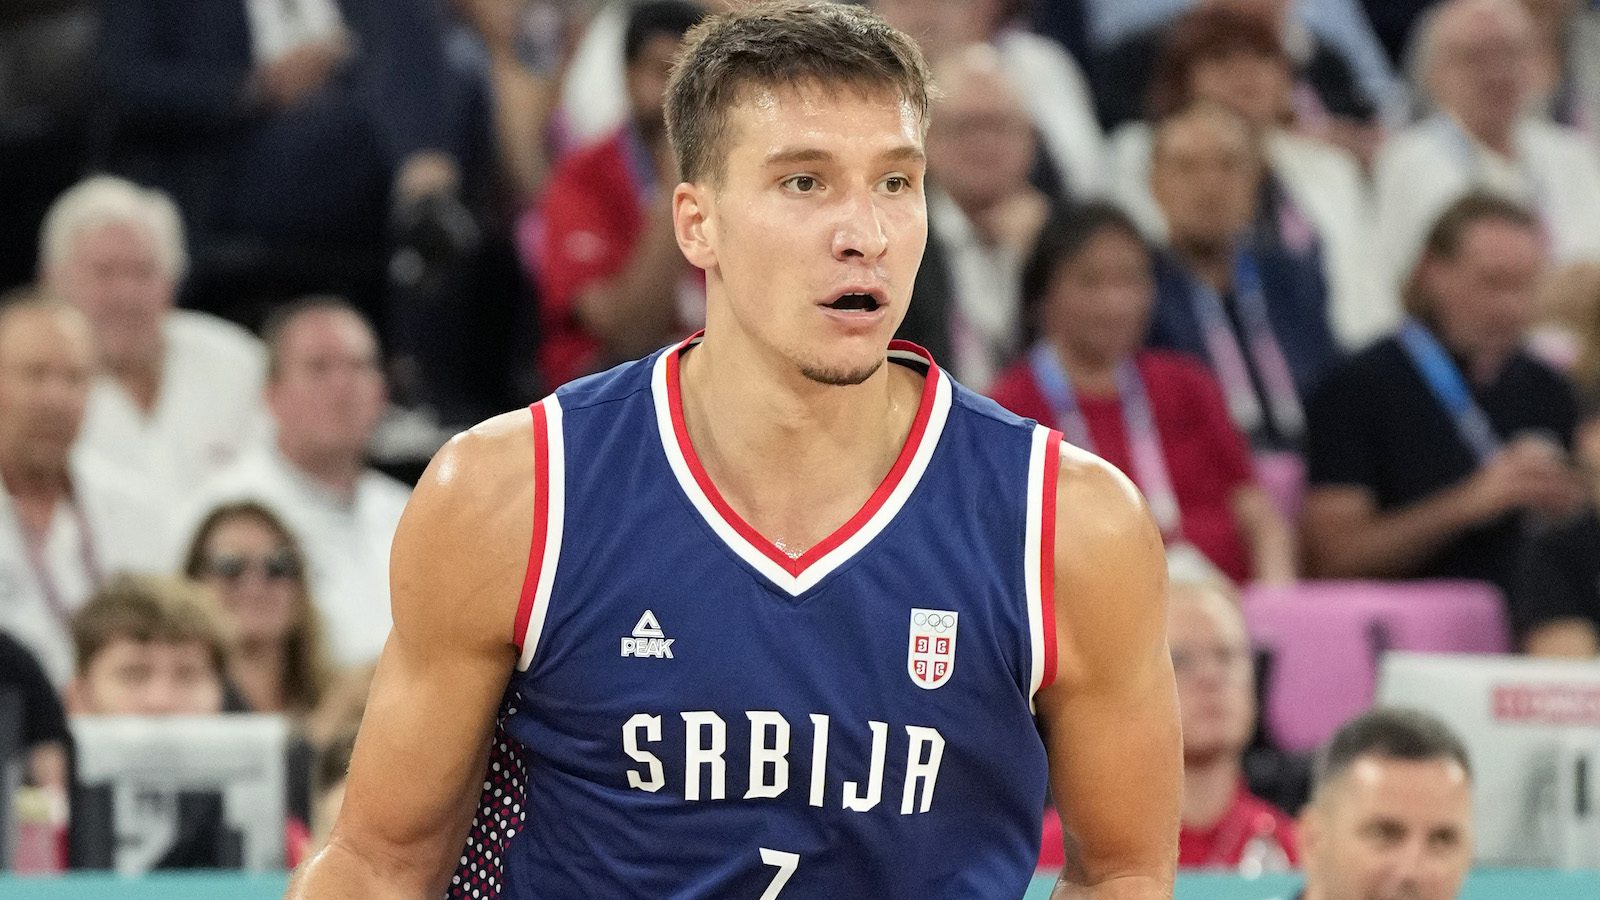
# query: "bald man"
x,y
983,218
66,523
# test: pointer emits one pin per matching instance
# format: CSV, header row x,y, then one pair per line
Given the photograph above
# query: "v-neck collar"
x,y
798,575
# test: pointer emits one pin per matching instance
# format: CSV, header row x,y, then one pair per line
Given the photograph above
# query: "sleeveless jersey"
x,y
696,714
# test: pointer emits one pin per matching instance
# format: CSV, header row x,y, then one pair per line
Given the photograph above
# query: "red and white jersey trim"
x,y
1039,559
795,576
549,510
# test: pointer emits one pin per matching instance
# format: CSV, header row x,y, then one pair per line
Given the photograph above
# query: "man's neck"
x,y
1208,790
1481,362
338,472
794,457
35,490
1209,261
1092,374
140,378
1498,135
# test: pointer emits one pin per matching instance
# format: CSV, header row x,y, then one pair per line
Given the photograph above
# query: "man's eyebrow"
x,y
904,153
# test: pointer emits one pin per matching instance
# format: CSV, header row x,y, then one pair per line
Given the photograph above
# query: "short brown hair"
x,y
146,608
779,44
1449,231
1200,36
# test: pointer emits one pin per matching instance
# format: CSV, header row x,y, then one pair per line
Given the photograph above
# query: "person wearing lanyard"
x,y
1156,415
1256,314
1432,453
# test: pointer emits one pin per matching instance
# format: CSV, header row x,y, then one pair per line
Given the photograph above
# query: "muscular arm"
x,y
1347,536
1267,534
1110,719
459,558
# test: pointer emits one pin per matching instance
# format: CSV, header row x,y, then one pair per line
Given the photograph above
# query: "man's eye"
x,y
805,184
897,183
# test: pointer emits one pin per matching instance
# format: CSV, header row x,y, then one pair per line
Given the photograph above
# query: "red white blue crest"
x,y
931,653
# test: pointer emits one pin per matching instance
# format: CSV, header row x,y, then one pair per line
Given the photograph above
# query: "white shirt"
x,y
1326,184
986,311
127,531
594,98
208,407
1430,165
1057,98
346,543
280,26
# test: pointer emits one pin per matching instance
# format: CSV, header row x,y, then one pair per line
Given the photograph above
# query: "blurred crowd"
x,y
1321,276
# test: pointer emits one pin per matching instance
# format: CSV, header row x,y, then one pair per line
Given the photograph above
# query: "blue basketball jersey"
x,y
699,714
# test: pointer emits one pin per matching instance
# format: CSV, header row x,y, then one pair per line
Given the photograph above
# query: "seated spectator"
x,y
44,738
1314,204
1255,313
1428,452
1326,89
983,220
325,392
1391,813
148,646
612,281
67,521
178,393
1475,62
247,557
1057,97
1156,415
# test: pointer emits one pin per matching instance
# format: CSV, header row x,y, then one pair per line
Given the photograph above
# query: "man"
x,y
1476,63
762,519
67,521
1391,814
1432,453
983,220
177,393
326,394
1254,311
612,282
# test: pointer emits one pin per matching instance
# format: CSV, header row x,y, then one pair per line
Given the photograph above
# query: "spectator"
x,y
148,646
67,521
1391,814
1058,99
983,219
1567,63
1428,451
245,554
1314,197
304,131
1224,825
1555,603
1158,416
1474,60
612,281
178,392
43,739
1326,90
325,393
1256,313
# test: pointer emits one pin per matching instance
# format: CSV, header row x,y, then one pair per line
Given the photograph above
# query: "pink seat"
x,y
1326,636
1283,477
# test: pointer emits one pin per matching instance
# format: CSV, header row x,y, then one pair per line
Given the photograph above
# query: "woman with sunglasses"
x,y
246,555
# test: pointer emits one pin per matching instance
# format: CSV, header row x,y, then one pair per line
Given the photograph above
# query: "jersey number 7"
x,y
786,863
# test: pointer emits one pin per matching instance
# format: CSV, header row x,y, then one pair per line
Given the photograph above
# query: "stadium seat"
x,y
1325,638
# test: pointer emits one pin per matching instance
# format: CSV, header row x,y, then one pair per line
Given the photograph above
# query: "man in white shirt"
x,y
67,521
1475,59
326,394
178,392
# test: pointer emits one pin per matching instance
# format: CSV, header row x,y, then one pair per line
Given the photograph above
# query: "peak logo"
x,y
648,641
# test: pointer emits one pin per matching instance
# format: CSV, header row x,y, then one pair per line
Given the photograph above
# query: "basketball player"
x,y
801,618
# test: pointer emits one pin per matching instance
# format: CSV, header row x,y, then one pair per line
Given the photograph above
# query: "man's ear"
x,y
694,224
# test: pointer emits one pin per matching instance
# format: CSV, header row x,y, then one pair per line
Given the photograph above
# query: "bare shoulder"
x,y
461,550
1110,570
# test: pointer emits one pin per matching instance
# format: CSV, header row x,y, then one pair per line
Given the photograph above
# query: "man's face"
x,y
329,393
1482,66
46,364
1211,660
647,82
1205,175
1390,829
114,275
1099,300
820,205
980,140
1487,295
129,677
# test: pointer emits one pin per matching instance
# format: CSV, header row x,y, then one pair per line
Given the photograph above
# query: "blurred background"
x,y
1322,276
